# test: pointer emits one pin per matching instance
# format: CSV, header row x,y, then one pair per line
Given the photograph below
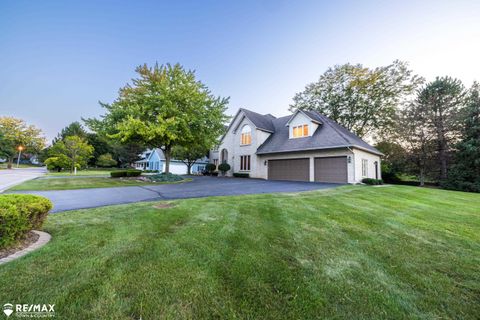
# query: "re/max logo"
x,y
35,308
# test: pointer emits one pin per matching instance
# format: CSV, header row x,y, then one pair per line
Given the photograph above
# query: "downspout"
x,y
353,162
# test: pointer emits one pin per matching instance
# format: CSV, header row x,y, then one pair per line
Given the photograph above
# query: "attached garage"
x,y
289,169
331,169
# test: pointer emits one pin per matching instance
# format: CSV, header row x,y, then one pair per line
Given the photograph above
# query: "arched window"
x,y
246,137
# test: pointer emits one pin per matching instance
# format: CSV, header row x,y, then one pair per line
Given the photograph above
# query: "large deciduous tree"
x,y
16,133
164,107
363,100
442,100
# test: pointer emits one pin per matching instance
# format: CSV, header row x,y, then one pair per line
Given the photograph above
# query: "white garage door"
x,y
178,168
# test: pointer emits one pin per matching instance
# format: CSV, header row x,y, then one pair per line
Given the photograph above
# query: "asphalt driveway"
x,y
200,187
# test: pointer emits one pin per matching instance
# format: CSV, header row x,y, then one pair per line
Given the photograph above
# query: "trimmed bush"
x,y
118,173
210,167
371,181
134,173
125,173
165,177
20,213
224,167
241,175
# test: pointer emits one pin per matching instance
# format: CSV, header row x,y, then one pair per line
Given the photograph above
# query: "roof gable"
x,y
309,114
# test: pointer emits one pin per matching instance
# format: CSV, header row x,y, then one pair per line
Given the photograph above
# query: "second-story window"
x,y
300,131
246,137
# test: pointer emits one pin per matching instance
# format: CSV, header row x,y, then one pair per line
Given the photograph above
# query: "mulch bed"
x,y
30,238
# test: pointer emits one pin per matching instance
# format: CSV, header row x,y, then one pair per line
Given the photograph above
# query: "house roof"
x,y
261,121
328,135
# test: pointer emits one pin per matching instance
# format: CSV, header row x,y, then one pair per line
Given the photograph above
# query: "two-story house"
x,y
304,146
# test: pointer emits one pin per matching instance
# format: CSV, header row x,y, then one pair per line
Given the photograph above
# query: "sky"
x,y
59,58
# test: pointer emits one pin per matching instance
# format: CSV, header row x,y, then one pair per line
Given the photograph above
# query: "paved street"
x,y
200,187
9,178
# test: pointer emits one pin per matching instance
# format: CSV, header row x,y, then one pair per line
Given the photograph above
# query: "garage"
x,y
331,169
289,169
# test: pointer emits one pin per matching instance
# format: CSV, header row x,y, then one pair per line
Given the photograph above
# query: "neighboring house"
x,y
305,146
155,160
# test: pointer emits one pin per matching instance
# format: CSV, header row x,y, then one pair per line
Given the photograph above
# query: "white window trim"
x,y
245,133
365,168
301,126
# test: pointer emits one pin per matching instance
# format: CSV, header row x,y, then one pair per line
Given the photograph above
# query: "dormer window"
x,y
246,137
300,131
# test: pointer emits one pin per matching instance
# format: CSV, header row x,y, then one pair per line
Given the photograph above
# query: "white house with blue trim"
x,y
154,159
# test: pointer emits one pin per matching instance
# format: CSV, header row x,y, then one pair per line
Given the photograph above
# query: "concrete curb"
x,y
43,239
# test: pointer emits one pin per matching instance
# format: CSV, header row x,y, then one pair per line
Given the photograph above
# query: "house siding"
x,y
371,158
231,142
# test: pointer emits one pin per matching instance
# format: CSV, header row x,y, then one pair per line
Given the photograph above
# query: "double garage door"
x,y
329,169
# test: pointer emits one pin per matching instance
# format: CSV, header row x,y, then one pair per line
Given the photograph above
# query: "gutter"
x,y
325,148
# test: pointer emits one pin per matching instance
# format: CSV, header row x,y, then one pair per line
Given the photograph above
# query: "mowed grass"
x,y
347,253
80,183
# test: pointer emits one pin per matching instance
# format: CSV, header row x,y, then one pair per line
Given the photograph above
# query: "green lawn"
x,y
80,183
348,253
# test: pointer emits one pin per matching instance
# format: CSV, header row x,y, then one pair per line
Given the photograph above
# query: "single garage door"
x,y
289,169
331,169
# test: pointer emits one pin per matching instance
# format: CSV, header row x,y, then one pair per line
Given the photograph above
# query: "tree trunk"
x,y
442,154
442,146
10,163
422,177
167,152
189,168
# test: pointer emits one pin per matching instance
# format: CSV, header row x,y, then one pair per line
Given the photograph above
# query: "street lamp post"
x,y
20,148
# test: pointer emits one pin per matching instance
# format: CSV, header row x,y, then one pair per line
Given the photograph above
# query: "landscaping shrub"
x,y
371,181
165,177
134,173
241,175
210,167
125,173
118,173
224,167
20,213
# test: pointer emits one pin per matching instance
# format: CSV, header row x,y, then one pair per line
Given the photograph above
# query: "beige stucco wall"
x,y
371,158
231,142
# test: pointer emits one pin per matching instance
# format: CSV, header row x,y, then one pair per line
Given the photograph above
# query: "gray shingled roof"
x,y
261,121
328,135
